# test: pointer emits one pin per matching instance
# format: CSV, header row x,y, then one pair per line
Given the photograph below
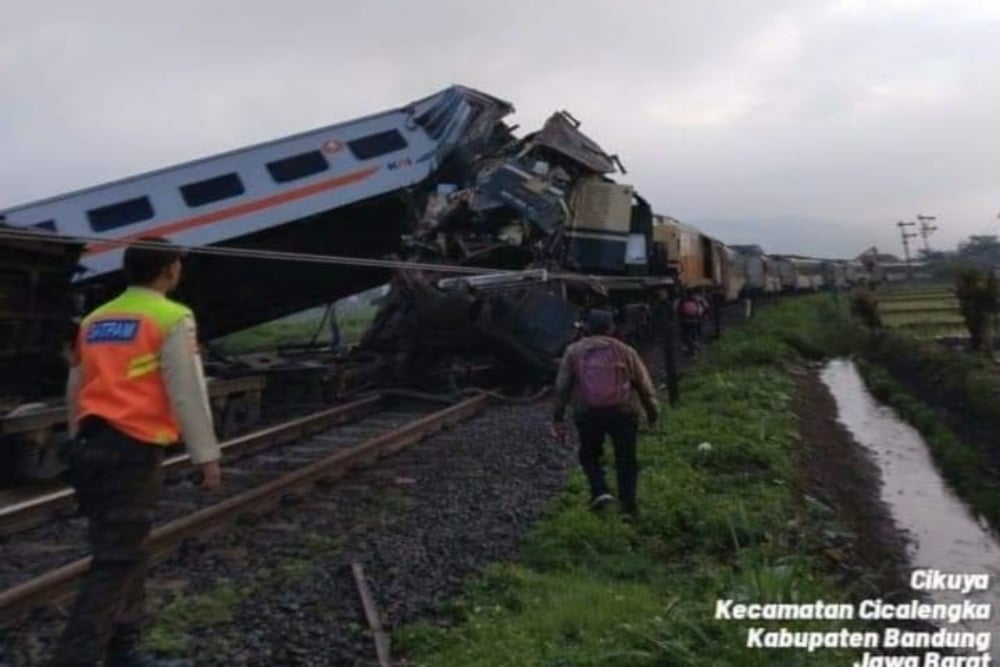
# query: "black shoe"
x,y
124,652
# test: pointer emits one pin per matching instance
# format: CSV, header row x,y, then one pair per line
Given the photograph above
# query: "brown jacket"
x,y
643,396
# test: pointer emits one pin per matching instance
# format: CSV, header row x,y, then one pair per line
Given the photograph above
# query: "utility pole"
x,y
926,229
906,245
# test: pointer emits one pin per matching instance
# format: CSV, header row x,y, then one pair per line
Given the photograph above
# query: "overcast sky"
x,y
808,126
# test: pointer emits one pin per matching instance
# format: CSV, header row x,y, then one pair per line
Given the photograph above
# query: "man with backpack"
x,y
691,311
609,387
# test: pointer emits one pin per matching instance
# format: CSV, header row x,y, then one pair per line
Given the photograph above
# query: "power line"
x,y
286,256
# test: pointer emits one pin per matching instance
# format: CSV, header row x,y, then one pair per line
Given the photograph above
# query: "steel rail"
x,y
27,513
58,585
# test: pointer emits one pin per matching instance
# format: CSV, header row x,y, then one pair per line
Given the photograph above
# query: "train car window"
x,y
373,145
297,166
48,225
212,190
121,214
439,123
435,120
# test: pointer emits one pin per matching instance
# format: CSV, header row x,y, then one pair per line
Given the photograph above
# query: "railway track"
x,y
42,566
23,510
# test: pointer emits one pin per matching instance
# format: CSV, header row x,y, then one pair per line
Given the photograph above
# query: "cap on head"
x,y
600,322
143,264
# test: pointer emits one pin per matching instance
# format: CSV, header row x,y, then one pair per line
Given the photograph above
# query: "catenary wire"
x,y
283,255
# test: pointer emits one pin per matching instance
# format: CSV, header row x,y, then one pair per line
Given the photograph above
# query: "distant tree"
x,y
981,249
864,306
934,255
979,300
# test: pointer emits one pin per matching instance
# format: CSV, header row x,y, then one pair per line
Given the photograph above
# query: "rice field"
x,y
925,311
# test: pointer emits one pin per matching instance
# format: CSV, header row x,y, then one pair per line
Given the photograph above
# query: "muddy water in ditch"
x,y
945,535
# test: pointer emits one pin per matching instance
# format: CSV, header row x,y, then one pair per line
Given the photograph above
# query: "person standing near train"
x,y
609,387
691,310
135,387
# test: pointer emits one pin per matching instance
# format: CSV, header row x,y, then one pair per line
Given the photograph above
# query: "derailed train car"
x,y
544,209
36,329
36,314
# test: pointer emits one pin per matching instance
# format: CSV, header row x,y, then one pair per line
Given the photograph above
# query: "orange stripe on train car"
x,y
237,210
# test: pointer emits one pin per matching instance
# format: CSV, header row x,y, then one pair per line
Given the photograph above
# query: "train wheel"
x,y
237,417
36,459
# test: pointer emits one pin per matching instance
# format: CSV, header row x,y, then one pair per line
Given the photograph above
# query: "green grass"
x,y
286,332
907,291
724,523
188,615
925,317
918,306
179,619
930,330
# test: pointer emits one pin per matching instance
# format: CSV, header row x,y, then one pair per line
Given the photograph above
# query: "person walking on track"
x,y
609,386
135,387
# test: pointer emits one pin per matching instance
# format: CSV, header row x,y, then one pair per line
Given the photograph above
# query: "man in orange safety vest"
x,y
135,387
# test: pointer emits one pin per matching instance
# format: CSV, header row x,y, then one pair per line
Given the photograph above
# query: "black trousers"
x,y
593,426
117,481
690,334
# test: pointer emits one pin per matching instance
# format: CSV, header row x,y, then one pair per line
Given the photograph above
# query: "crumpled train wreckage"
x,y
544,212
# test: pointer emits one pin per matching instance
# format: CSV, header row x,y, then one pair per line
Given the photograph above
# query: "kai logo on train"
x,y
112,331
399,164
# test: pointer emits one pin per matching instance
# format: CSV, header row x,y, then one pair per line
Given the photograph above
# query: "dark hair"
x,y
600,322
142,264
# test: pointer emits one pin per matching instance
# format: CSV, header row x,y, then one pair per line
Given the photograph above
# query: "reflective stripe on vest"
x,y
119,354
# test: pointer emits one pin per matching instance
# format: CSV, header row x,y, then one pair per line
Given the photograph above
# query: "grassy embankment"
x,y
730,522
295,331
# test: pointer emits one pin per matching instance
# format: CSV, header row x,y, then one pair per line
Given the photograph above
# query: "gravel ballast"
x,y
420,523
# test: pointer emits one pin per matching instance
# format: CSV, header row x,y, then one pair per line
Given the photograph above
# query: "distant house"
x,y
871,253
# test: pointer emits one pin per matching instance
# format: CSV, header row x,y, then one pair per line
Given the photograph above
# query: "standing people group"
x,y
135,387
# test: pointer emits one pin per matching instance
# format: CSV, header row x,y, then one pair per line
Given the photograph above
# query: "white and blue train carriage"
x,y
340,189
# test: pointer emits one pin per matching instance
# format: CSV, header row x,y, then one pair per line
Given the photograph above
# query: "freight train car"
x,y
856,272
695,258
762,277
734,275
835,273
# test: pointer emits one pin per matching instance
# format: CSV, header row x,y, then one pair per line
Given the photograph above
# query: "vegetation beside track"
x,y
296,330
718,522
